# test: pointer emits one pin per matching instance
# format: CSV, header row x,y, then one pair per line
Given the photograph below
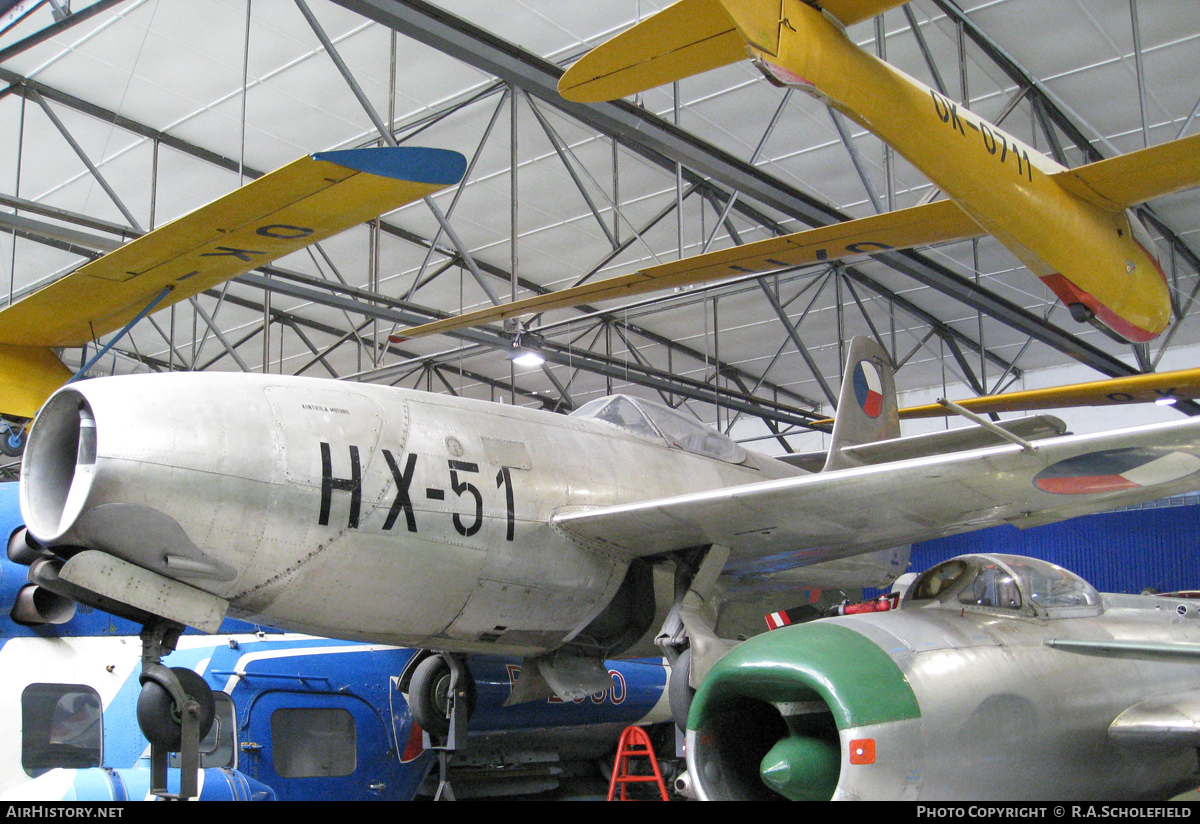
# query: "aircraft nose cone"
x,y
802,769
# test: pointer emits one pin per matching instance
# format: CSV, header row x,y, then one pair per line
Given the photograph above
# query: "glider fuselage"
x,y
1084,253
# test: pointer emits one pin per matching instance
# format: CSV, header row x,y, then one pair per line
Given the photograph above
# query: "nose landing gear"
x,y
175,711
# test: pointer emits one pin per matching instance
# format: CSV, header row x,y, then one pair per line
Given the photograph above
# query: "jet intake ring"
x,y
775,715
58,467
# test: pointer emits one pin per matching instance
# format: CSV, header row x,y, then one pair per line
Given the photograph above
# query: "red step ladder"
x,y
634,743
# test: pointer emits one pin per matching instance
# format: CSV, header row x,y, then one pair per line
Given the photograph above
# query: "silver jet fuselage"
x,y
352,510
982,686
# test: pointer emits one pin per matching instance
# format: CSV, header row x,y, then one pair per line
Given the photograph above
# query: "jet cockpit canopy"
x,y
662,423
1006,584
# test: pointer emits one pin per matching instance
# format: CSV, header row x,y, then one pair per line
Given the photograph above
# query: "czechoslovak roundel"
x,y
1116,469
868,388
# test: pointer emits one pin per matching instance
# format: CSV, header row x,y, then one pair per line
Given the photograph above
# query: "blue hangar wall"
x,y
1128,550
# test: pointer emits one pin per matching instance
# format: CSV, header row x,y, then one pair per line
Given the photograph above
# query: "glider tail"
x,y
867,409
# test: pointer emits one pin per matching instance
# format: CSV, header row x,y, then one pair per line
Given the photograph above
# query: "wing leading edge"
x,y
829,515
936,222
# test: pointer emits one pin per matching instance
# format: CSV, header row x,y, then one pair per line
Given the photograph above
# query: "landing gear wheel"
x,y
428,695
679,692
12,440
1080,313
159,718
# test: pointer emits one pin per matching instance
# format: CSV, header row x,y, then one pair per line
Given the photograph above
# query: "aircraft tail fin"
x,y
867,408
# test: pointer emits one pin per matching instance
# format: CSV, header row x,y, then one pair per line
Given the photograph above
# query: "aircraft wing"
x,y
814,518
1134,177
935,222
306,201
687,38
1183,384
681,40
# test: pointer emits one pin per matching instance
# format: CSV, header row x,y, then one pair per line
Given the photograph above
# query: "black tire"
x,y
6,446
159,718
427,695
679,692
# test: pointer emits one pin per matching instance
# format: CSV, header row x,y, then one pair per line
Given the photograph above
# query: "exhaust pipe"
x,y
36,606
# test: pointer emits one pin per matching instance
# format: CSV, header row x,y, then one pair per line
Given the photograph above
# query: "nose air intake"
x,y
58,466
769,719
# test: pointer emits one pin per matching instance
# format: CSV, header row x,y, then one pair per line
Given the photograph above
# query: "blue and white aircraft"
x,y
296,717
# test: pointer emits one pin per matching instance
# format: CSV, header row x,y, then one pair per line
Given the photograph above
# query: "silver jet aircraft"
x,y
999,678
375,513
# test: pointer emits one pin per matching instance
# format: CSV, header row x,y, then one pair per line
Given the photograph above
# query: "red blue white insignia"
x,y
868,388
1116,469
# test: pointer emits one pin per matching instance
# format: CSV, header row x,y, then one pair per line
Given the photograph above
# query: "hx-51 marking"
x,y
565,539
1073,228
999,678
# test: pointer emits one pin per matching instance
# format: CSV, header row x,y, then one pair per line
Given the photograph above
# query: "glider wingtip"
x,y
578,84
418,164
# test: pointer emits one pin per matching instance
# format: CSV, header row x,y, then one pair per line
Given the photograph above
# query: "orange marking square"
x,y
862,751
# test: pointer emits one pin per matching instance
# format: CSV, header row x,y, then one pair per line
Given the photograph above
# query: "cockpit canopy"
x,y
1007,584
662,423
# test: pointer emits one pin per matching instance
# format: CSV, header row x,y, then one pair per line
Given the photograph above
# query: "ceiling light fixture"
x,y
522,353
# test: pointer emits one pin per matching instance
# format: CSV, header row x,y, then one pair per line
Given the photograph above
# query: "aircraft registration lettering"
x,y
229,251
466,524
271,231
283,231
862,247
1157,394
994,140
616,694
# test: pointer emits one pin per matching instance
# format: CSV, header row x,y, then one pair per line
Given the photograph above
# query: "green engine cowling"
x,y
772,718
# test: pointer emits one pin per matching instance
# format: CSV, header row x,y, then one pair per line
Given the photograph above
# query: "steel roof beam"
x,y
26,86
665,144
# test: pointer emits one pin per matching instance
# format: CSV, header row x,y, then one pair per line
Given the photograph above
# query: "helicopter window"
x,y
993,587
654,420
313,742
61,726
936,581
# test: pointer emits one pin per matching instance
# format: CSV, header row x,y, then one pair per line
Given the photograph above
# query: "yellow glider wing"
x,y
849,12
687,38
1126,180
301,203
935,222
1181,385
306,201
